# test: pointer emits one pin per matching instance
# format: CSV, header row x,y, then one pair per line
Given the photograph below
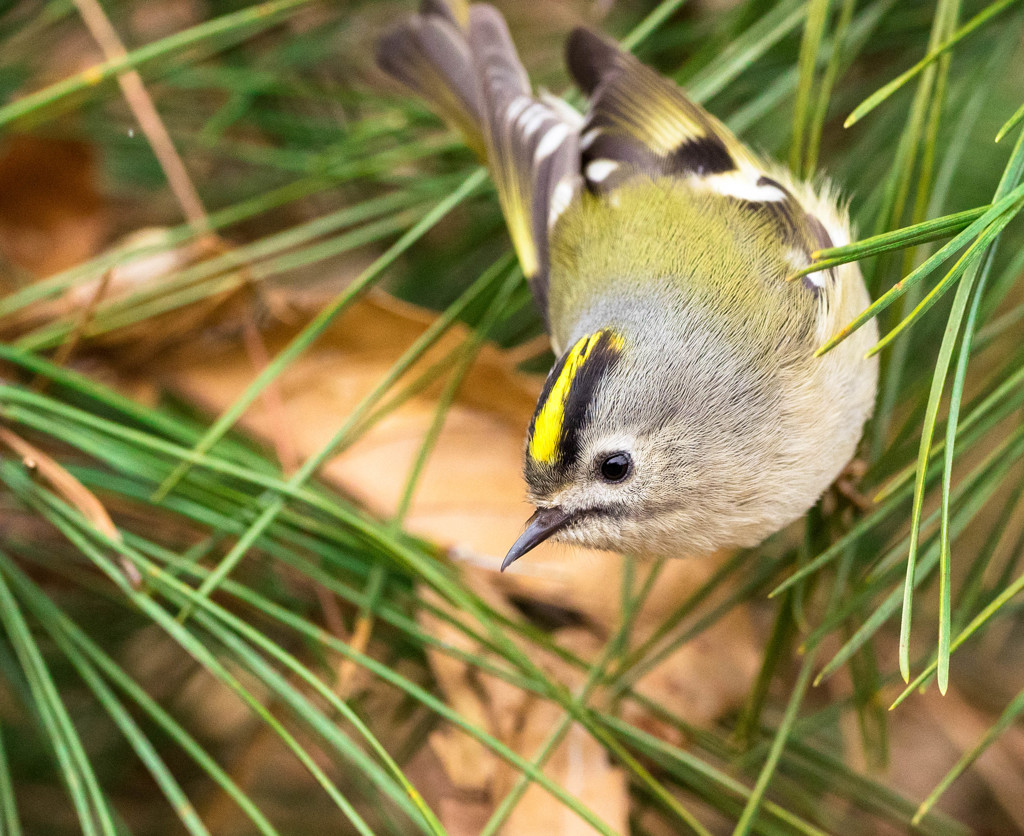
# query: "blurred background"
x,y
266,364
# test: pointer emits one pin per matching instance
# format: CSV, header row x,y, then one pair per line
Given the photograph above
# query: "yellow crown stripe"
x,y
548,427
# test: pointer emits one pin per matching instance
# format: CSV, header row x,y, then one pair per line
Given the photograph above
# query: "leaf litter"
x,y
470,500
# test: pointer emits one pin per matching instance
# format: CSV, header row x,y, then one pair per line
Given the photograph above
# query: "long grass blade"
x,y
8,802
810,50
1011,123
976,492
1006,719
885,92
309,334
960,302
144,749
835,61
750,811
231,26
967,265
920,233
1006,594
151,709
999,210
91,805
205,656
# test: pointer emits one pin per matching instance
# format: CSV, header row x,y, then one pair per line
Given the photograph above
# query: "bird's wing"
x,y
640,123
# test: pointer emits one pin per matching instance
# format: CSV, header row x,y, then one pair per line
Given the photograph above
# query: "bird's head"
x,y
653,440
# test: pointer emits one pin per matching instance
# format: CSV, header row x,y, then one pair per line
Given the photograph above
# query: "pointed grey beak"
x,y
543,523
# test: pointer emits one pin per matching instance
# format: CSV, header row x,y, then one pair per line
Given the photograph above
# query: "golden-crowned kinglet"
x,y
687,411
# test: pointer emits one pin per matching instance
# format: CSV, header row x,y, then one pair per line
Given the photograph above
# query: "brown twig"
x,y
145,112
67,347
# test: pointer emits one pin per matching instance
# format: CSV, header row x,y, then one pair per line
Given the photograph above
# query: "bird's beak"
x,y
543,523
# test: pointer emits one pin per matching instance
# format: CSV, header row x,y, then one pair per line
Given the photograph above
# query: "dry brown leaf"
x,y
213,318
702,679
484,700
471,500
149,261
579,764
481,444
52,215
524,722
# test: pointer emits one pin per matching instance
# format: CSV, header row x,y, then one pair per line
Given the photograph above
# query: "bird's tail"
x,y
462,61
429,53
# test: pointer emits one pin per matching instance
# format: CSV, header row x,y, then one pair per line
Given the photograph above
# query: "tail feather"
x,y
497,63
429,54
454,11
473,75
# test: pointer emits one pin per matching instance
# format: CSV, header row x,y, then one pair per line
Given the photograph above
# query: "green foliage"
x,y
309,164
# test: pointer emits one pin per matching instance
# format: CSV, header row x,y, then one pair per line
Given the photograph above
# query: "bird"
x,y
687,411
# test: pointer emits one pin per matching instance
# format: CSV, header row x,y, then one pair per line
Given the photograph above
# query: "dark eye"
x,y
616,467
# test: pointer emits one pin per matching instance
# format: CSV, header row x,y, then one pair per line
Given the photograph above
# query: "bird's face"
x,y
618,493
610,463
650,451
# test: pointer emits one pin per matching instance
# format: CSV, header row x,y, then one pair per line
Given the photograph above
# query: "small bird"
x,y
687,411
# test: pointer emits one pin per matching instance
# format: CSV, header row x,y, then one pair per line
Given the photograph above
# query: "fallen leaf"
x,y
147,272
471,500
524,722
703,678
52,214
481,444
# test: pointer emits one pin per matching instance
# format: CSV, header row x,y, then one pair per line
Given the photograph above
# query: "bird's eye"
x,y
616,467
